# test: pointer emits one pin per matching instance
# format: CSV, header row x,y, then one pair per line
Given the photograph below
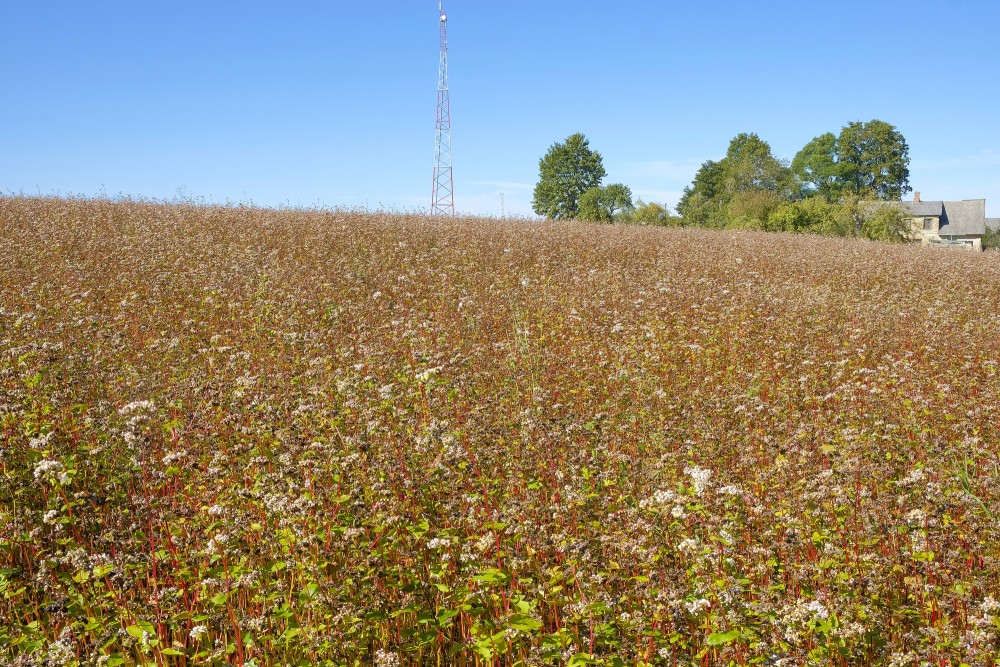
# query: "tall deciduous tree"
x,y
566,171
817,168
606,204
750,166
874,159
746,185
703,201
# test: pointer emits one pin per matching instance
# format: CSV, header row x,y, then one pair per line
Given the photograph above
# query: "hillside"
x,y
234,434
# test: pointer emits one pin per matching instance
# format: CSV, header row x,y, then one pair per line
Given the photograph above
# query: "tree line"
x,y
836,185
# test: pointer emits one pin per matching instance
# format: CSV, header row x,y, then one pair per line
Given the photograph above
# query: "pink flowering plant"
x,y
232,435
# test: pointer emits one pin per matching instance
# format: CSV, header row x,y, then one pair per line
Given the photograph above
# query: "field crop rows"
x,y
244,436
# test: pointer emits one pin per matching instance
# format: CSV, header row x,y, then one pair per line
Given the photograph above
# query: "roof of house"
x,y
964,218
921,208
958,218
993,223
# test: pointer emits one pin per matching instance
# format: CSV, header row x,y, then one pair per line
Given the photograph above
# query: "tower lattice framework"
x,y
443,196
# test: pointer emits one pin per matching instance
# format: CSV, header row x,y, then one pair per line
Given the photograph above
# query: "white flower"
x,y
437,543
426,375
916,475
51,471
695,607
990,605
173,457
385,659
217,543
688,546
60,653
816,608
657,500
41,441
198,631
138,406
485,542
50,517
699,477
677,512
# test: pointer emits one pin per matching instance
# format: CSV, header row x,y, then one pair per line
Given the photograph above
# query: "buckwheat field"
x,y
232,435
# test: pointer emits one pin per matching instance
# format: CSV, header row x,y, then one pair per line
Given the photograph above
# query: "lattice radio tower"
x,y
443,196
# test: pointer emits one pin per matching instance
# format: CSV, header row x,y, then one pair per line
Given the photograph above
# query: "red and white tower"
x,y
443,196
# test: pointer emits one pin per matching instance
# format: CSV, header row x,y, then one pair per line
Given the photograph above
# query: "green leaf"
x,y
525,623
719,638
492,576
134,630
171,651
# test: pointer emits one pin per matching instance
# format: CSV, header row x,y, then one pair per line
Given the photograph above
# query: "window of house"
x,y
928,224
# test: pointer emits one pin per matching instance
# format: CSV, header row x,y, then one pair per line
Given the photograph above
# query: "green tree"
x,y
566,171
740,190
874,160
991,239
883,222
606,204
814,215
652,213
702,203
817,169
750,166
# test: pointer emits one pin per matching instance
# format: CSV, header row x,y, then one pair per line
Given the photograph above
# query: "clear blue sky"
x,y
333,103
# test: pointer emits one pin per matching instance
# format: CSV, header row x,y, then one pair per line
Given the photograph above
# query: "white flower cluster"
x,y
657,500
198,631
41,441
485,542
425,376
816,609
795,619
51,472
437,543
688,546
385,659
217,544
695,607
60,652
916,475
137,407
137,413
699,477
173,457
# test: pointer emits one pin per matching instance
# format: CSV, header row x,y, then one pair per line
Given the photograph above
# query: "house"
x,y
948,223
